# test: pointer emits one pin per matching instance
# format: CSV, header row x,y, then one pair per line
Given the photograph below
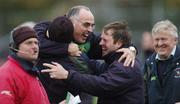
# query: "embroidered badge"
x,y
177,73
5,92
153,78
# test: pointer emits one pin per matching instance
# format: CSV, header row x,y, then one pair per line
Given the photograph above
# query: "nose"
x,y
90,28
35,45
160,42
101,43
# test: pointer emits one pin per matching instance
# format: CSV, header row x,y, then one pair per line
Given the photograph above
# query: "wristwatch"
x,y
133,49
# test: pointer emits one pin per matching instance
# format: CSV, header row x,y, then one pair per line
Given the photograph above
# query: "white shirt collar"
x,y
172,54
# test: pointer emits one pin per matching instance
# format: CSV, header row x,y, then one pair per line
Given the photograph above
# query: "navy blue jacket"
x,y
166,92
116,85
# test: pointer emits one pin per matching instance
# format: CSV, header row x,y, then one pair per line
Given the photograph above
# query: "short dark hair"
x,y
120,31
61,30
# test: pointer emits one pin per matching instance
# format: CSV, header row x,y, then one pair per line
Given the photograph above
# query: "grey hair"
x,y
74,11
165,26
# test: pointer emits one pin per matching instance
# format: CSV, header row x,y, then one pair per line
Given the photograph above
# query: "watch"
x,y
133,49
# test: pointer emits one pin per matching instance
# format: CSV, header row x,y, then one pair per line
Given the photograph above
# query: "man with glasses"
x,y
88,42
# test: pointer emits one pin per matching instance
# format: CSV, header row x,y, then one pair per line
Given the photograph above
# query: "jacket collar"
x,y
26,65
174,58
111,57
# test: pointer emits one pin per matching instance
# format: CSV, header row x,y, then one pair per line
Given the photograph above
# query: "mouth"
x,y
162,48
35,52
85,35
103,49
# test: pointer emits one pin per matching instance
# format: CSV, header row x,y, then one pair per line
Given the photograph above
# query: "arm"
x,y
48,47
95,51
115,80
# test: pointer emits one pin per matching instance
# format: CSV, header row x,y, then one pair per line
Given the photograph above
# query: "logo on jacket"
x,y
6,92
177,73
153,78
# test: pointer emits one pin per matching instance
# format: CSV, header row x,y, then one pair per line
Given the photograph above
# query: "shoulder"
x,y
150,59
43,23
7,72
118,66
12,69
177,53
42,26
132,73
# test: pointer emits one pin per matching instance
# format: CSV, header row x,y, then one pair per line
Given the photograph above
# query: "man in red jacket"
x,y
18,76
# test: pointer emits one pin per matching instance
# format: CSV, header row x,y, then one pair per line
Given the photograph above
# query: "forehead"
x,y
163,34
107,33
86,15
30,40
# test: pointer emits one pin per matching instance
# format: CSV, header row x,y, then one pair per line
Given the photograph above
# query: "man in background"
x,y
162,69
146,44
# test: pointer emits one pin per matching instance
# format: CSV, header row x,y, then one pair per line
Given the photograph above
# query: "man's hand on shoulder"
x,y
129,55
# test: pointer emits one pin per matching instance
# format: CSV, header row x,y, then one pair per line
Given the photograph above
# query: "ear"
x,y
12,44
47,34
176,40
119,43
74,24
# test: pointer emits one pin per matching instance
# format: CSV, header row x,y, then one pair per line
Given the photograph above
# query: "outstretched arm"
x,y
108,83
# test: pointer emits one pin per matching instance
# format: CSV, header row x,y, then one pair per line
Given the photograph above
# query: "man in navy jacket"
x,y
162,69
113,82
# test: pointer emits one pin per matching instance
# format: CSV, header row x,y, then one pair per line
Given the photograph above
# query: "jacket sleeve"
x,y
7,94
48,47
105,84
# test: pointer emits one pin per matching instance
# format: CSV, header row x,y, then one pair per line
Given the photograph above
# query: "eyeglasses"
x,y
86,24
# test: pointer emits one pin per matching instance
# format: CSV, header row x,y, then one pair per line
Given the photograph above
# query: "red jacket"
x,y
19,87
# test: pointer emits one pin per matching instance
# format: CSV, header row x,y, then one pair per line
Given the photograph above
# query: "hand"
x,y
128,55
63,102
55,71
73,50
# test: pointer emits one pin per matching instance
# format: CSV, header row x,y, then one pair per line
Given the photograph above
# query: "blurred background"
x,y
140,14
